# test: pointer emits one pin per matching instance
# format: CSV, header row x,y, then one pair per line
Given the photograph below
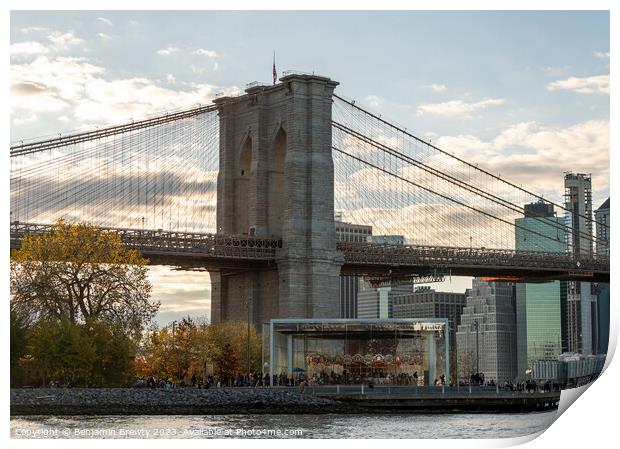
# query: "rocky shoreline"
x,y
221,401
180,401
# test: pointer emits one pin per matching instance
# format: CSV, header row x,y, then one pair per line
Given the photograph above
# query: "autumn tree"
x,y
79,273
235,334
226,364
175,351
224,345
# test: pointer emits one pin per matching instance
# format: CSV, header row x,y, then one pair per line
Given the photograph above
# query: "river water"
x,y
284,426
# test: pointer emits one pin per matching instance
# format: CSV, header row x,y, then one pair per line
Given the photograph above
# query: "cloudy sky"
x,y
525,94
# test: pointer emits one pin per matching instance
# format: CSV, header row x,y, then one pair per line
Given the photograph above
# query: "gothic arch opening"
x,y
277,186
242,188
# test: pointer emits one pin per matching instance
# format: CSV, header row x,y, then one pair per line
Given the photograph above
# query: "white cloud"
x,y
171,78
167,51
27,30
556,70
28,48
62,41
436,87
457,108
103,36
601,54
23,118
76,88
531,154
372,100
216,66
104,21
585,85
130,98
58,42
205,52
198,70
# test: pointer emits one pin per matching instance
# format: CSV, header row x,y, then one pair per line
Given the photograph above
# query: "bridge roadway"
x,y
203,251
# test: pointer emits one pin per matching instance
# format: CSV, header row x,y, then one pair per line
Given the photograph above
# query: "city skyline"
x,y
517,117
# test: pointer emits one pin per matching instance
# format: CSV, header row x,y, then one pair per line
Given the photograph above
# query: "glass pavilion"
x,y
353,351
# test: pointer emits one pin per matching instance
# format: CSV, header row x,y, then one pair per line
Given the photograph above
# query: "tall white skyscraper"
x,y
580,332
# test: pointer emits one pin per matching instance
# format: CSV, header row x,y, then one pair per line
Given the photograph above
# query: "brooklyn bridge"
x,y
247,187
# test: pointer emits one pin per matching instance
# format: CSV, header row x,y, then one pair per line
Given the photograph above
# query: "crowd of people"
x,y
346,378
302,380
531,386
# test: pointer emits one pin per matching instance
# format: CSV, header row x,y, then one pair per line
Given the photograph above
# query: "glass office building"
x,y
539,311
345,351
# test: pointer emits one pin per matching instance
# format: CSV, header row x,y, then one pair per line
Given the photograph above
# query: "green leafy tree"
x,y
114,354
19,334
63,351
95,353
20,329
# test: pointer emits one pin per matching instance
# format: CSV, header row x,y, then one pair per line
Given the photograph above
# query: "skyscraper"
x,y
376,302
579,333
486,337
350,285
373,302
601,216
538,306
602,290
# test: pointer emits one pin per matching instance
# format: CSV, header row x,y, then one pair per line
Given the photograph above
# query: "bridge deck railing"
x,y
358,254
160,241
381,254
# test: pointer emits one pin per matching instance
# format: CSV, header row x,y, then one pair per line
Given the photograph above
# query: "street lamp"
x,y
247,302
477,348
174,347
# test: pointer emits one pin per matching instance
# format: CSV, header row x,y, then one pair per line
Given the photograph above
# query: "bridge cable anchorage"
x,y
454,181
446,197
462,161
33,147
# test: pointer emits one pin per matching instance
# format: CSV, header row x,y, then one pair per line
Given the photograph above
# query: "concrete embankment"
x,y
189,401
452,403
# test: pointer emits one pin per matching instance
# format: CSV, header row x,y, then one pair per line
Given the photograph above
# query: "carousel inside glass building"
x,y
355,351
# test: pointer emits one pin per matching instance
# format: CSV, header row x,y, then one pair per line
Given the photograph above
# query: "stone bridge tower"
x,y
276,179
